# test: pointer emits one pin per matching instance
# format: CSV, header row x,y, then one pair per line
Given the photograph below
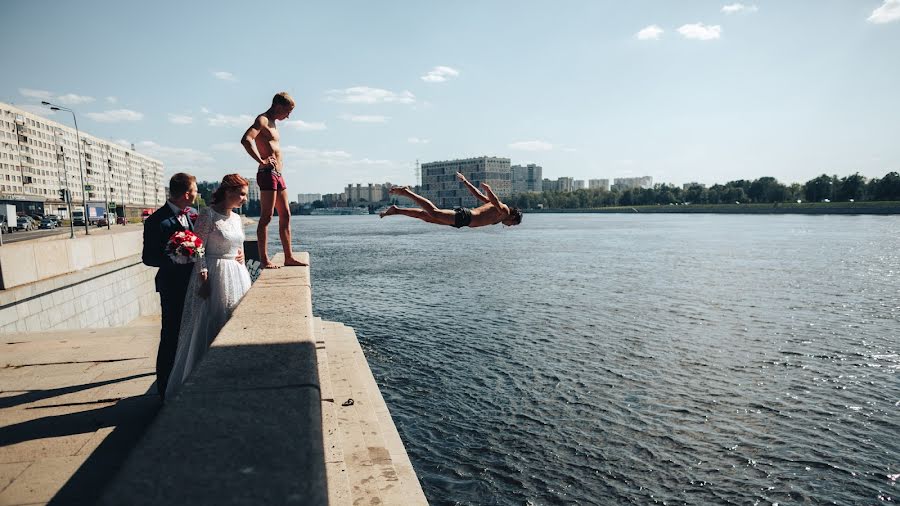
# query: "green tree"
x,y
888,187
819,188
852,187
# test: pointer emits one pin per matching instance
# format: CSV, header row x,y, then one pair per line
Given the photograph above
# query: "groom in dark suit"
x,y
172,279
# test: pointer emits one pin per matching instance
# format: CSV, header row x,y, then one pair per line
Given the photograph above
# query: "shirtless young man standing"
x,y
261,143
492,212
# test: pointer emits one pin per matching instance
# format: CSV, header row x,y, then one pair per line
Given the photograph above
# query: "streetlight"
x,y
106,182
54,107
62,155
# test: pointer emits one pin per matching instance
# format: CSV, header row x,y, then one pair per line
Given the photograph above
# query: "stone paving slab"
x,y
67,398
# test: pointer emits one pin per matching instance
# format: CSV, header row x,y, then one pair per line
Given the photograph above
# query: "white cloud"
x,y
652,32
112,100
334,158
303,126
73,99
175,157
180,119
218,120
416,140
531,146
230,147
225,76
38,110
699,31
365,119
115,116
738,7
204,110
439,74
889,11
366,95
41,94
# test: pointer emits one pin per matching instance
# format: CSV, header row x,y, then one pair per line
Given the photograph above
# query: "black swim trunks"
x,y
463,217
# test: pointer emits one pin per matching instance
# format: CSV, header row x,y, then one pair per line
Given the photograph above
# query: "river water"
x,y
629,359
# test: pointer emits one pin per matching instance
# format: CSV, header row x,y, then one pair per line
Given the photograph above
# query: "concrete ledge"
x,y
104,295
35,260
247,426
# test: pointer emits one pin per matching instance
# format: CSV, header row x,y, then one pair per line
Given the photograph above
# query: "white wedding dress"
x,y
228,282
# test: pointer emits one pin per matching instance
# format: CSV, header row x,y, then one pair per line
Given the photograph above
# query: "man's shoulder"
x,y
160,214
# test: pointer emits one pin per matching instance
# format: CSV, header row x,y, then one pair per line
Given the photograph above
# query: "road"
x,y
37,234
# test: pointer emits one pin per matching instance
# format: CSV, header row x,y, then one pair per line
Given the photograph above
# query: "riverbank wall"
x,y
282,409
90,281
781,208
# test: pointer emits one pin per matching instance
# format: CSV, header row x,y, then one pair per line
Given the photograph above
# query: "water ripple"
x,y
626,359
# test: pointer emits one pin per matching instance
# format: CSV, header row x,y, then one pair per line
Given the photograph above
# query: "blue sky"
x,y
680,90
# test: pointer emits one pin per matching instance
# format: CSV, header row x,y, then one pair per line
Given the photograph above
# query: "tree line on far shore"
x,y
763,190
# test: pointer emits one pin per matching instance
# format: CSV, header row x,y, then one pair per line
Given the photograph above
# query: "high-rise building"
x,y
252,190
527,178
578,184
548,185
624,183
439,183
308,198
566,184
369,193
40,157
598,184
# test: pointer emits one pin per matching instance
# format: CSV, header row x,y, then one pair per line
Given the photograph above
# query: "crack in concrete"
x,y
19,366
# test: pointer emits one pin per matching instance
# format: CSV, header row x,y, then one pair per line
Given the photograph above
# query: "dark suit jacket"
x,y
157,230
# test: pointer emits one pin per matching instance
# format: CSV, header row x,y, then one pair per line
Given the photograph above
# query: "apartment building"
x,y
624,183
40,157
598,184
308,198
527,178
439,183
372,192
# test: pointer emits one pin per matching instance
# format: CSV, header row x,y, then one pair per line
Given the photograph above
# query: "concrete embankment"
x,y
91,281
786,208
266,418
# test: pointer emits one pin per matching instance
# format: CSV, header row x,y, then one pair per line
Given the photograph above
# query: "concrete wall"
x,y
246,428
106,295
30,261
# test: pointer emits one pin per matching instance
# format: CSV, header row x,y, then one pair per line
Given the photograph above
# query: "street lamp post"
x,y
68,197
54,107
106,182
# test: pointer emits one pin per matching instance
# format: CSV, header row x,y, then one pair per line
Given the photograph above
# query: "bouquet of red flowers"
x,y
184,247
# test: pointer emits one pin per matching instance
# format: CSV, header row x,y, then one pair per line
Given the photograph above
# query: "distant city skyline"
x,y
708,91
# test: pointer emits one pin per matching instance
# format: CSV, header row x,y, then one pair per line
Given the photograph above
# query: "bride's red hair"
x,y
229,182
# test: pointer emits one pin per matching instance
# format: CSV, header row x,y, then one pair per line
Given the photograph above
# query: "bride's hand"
x,y
203,291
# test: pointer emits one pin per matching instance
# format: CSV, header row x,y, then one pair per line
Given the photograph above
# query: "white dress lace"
x,y
228,282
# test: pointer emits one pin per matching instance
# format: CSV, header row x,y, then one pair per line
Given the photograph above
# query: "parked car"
x,y
48,223
56,219
25,223
101,222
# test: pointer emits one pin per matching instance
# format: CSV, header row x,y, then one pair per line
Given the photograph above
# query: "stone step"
x,y
57,347
370,440
335,465
370,473
143,329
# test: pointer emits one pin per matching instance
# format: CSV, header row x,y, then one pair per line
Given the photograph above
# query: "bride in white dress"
x,y
218,282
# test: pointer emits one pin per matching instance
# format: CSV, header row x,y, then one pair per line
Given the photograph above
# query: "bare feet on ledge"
x,y
268,264
389,211
293,262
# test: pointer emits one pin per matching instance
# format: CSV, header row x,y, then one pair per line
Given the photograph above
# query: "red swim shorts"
x,y
270,180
